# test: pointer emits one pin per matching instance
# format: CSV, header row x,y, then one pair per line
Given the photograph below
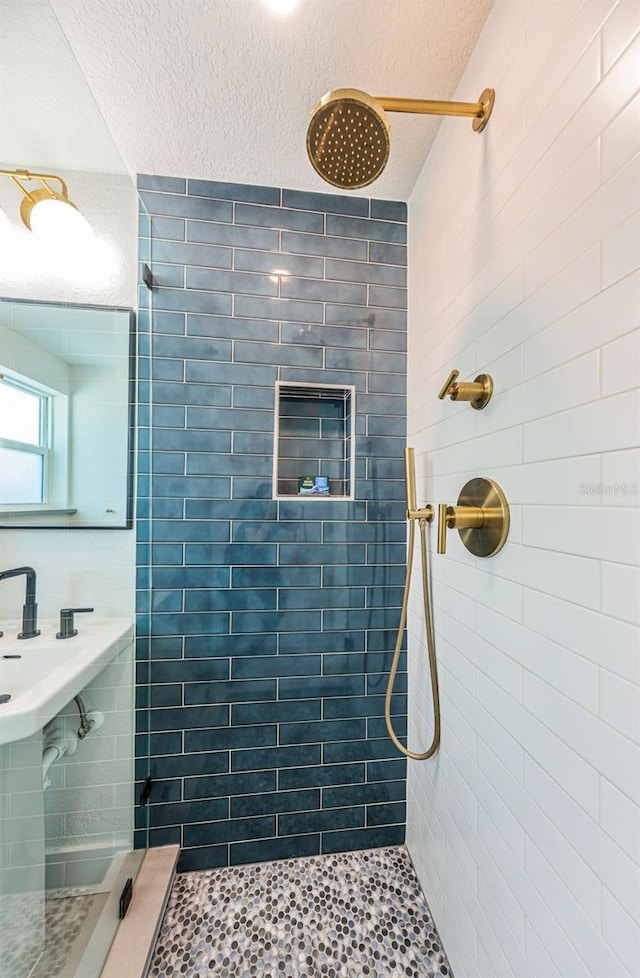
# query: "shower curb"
x,y
133,945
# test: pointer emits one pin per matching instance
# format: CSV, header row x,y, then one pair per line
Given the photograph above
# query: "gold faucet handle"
x,y
442,528
448,388
459,518
478,392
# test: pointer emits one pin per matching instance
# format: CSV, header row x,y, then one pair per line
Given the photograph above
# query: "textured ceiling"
x,y
222,89
48,116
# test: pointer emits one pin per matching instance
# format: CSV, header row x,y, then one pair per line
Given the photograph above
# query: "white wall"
x,y
75,568
523,256
49,120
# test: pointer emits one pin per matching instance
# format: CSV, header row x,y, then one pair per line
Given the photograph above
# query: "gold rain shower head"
x,y
348,137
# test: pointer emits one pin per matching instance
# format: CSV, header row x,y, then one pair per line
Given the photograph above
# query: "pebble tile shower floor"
x,y
348,915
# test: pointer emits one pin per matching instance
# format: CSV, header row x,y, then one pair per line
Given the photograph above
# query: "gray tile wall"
x,y
271,621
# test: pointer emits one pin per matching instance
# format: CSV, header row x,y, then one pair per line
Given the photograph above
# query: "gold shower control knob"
x,y
478,392
481,517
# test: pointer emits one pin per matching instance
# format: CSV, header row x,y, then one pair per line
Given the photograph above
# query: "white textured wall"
x,y
523,254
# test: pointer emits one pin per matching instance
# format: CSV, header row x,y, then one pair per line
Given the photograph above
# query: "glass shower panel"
x,y
143,535
95,825
72,829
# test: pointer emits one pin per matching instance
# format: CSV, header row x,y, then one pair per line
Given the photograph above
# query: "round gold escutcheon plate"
x,y
488,539
487,383
486,100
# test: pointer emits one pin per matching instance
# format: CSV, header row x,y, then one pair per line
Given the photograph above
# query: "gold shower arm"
x,y
479,111
425,106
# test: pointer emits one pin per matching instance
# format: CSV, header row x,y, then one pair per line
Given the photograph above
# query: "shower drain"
x,y
5,697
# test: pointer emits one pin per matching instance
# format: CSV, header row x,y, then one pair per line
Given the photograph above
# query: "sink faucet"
x,y
29,608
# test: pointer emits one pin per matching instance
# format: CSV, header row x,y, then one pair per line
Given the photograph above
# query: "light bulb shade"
x,y
51,215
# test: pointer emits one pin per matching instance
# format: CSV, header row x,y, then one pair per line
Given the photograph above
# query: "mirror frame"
x,y
131,424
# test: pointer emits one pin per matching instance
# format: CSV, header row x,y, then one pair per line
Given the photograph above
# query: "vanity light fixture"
x,y
45,210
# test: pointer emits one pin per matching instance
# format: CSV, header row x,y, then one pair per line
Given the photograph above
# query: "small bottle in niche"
x,y
306,485
321,486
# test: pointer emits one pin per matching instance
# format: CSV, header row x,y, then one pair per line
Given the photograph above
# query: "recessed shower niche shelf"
x,y
314,436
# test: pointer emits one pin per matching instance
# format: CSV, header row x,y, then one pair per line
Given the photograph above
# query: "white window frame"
x,y
52,447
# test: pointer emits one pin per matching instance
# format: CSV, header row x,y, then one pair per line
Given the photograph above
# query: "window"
x,y
25,442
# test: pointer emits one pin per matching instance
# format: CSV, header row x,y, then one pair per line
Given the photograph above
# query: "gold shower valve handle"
x,y
458,518
466,517
461,518
477,392
442,528
449,385
481,517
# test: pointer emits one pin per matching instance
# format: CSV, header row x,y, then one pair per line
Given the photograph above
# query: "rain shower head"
x,y
348,137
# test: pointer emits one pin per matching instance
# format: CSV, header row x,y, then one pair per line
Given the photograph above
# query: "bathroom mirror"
x,y
66,415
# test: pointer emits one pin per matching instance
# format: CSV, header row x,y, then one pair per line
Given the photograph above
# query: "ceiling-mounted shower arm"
x,y
479,111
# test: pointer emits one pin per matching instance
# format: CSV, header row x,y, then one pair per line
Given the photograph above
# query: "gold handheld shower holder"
x,y
413,513
478,393
422,517
481,517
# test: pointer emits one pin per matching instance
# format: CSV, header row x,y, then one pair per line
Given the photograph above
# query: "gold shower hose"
x,y
431,645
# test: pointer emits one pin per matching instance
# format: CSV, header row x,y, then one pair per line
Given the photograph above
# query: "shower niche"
x,y
314,441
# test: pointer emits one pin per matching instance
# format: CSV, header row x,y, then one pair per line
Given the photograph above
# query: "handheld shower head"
x,y
348,138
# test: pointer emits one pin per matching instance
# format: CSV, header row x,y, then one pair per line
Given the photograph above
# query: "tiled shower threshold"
x,y
349,915
133,945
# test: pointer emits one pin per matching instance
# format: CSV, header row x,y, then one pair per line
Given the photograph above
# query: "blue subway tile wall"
x,y
268,630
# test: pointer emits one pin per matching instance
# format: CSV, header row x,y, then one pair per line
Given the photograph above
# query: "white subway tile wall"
x,y
523,262
75,568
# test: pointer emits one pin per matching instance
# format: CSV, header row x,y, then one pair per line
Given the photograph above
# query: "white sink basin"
x,y
50,672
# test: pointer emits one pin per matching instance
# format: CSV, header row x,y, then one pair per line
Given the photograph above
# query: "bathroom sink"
x,y
41,675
